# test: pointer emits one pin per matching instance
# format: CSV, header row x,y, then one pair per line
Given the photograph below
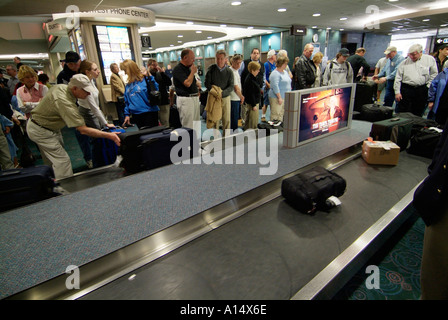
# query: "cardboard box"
x,y
380,152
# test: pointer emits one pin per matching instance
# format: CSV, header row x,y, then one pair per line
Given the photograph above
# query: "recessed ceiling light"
x,y
444,25
316,15
198,31
341,29
179,41
250,27
425,20
314,27
209,37
281,10
236,3
189,22
180,36
342,19
223,25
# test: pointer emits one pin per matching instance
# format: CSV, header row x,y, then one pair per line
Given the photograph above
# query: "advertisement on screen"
x,y
324,112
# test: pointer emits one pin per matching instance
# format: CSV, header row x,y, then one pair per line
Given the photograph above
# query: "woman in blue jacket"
x,y
136,97
438,98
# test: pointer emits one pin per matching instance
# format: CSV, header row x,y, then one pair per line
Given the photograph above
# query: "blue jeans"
x,y
234,114
389,97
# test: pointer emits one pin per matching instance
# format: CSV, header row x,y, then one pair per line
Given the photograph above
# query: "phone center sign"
x,y
72,16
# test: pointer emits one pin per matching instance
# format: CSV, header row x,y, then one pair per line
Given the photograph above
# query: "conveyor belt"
x,y
265,228
272,251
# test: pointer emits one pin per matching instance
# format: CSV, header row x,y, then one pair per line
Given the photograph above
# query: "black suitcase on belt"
x,y
24,186
131,148
309,191
157,147
424,142
397,130
374,113
365,94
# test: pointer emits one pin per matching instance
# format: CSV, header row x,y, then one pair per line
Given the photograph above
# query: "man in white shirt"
x,y
413,78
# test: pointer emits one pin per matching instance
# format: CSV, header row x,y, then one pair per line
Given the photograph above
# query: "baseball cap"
x,y
72,56
82,81
390,49
443,46
344,52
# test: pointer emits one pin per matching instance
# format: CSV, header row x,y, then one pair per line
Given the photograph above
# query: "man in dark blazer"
x,y
431,202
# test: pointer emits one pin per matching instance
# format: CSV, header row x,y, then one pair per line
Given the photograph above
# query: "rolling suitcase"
x,y
157,147
105,151
314,189
397,130
24,186
365,94
374,113
131,148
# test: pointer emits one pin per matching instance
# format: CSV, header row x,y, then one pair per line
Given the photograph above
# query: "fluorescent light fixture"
x,y
316,14
236,3
343,19
281,10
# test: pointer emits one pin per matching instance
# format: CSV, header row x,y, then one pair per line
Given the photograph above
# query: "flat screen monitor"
x,y
315,113
114,44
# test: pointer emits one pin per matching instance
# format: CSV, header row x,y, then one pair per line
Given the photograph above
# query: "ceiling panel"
x,y
36,7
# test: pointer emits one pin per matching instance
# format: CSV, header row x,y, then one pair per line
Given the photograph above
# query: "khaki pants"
x,y
5,156
277,110
434,273
251,117
188,110
51,146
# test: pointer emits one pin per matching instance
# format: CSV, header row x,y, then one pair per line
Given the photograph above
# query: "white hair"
x,y
282,53
415,48
271,53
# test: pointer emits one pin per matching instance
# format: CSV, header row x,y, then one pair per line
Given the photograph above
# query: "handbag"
x,y
154,95
120,99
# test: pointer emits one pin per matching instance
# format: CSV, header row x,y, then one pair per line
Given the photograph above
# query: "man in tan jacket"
x,y
117,86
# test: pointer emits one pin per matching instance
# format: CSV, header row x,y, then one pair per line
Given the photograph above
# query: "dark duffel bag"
x,y
374,113
418,123
313,189
131,148
397,130
424,142
24,186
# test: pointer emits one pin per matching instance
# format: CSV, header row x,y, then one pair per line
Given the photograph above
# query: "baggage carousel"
x,y
219,232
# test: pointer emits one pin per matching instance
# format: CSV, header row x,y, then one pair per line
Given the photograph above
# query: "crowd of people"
x,y
235,90
236,93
